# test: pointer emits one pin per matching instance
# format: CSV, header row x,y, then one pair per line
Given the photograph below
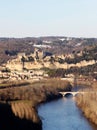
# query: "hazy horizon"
x,y
39,18
46,36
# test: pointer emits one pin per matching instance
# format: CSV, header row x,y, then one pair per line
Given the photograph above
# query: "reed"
x,y
88,104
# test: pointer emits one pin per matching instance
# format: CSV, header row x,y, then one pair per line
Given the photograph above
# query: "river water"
x,y
63,114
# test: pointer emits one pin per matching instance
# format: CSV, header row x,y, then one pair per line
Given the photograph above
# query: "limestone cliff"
x,y
37,61
18,65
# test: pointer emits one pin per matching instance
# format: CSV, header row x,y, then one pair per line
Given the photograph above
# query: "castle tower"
x,y
38,54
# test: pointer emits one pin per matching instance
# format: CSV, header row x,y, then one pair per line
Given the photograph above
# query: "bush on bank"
x,y
36,92
88,104
23,100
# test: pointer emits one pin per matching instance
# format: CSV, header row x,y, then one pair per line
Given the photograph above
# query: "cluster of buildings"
x,y
32,75
31,66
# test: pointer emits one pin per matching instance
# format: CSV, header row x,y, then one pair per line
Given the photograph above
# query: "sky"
x,y
35,18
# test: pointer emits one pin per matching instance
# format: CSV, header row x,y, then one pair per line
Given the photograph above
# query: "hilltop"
x,y
29,58
10,47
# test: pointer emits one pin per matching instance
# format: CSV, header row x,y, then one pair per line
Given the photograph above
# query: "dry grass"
x,y
7,84
24,110
36,92
88,104
24,99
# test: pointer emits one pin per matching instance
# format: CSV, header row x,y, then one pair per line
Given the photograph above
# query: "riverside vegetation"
x,y
88,103
19,100
20,103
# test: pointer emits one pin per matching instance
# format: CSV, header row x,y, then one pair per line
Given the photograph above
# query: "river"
x,y
63,114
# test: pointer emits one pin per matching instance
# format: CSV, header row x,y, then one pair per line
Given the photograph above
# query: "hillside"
x,y
9,47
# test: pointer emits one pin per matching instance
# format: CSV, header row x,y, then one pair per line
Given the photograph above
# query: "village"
x,y
31,67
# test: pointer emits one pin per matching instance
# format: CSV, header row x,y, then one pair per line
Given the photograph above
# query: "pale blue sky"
x,y
28,18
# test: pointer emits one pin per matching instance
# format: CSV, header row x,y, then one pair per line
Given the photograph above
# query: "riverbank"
x,y
24,100
88,104
9,121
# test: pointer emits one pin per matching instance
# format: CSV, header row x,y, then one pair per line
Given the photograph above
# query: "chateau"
x,y
31,66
